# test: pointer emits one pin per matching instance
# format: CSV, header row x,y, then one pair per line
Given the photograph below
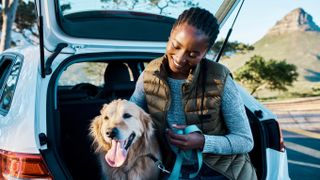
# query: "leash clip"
x,y
161,167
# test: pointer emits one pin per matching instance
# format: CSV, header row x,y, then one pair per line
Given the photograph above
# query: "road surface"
x,y
300,123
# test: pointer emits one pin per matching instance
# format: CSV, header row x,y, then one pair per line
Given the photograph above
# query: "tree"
x,y
9,8
159,4
25,15
26,20
231,47
271,74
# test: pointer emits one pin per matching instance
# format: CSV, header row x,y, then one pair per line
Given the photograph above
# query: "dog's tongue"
x,y
116,156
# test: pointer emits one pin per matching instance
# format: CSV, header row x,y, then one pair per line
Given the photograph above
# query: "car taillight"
x,y
282,146
22,166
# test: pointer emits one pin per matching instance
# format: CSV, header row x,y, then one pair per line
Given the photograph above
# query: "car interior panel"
x,y
78,105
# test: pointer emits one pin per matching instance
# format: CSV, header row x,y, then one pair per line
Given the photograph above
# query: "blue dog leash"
x,y
182,155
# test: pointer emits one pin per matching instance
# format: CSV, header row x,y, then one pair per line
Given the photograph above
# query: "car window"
x,y
10,68
5,65
85,72
159,7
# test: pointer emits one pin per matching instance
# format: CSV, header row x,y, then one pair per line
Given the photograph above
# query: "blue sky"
x,y
257,17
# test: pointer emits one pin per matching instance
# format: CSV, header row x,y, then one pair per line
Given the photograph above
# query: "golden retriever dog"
x,y
124,139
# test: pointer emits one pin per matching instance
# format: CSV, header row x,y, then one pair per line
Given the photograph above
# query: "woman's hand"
x,y
190,141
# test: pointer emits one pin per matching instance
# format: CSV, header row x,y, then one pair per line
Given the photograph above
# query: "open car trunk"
x,y
72,106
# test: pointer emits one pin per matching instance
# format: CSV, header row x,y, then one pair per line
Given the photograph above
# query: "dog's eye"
x,y
106,117
126,115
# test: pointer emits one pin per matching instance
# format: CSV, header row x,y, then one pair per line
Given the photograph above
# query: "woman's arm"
x,y
138,96
239,137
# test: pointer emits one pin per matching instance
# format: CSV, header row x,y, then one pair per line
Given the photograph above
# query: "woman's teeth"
x,y
178,65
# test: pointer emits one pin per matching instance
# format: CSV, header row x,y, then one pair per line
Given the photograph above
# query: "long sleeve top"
x,y
239,137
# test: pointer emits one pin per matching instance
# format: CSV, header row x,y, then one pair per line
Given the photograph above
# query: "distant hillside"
x,y
295,38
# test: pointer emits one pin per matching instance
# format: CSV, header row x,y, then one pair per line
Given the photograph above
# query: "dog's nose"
x,y
112,133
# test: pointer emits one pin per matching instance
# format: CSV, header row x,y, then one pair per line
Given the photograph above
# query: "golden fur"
x,y
137,165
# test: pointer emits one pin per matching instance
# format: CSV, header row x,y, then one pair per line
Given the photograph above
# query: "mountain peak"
x,y
296,20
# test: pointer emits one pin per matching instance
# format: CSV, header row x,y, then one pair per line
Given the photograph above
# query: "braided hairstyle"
x,y
204,21
201,19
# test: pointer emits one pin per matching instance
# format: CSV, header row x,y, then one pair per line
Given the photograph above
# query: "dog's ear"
x,y
95,133
104,108
147,124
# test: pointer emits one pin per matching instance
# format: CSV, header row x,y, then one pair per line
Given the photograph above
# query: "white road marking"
x,y
302,132
303,149
304,164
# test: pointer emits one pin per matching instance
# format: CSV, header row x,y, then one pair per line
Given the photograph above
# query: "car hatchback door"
x,y
99,25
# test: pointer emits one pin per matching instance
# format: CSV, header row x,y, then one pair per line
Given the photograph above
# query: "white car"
x,y
90,53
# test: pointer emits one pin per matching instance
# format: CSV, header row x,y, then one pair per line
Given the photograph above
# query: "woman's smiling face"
x,y
186,47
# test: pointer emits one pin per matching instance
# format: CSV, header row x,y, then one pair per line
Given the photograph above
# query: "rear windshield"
x,y
148,20
170,8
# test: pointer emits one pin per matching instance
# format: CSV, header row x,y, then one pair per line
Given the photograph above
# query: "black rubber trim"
x,y
272,134
258,154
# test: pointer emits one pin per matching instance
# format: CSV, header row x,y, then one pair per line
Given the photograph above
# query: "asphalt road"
x,y
300,123
303,156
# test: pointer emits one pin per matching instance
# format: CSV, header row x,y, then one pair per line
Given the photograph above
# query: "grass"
x,y
288,96
299,90
301,49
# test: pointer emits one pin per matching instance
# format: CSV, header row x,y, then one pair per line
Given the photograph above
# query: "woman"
x,y
183,88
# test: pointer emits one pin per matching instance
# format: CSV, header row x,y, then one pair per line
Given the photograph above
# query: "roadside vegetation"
x,y
266,79
258,73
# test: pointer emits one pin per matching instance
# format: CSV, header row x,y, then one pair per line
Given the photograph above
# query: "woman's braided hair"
x,y
204,21
201,19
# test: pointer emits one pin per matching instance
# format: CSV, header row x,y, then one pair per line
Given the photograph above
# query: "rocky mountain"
x,y
297,20
296,39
